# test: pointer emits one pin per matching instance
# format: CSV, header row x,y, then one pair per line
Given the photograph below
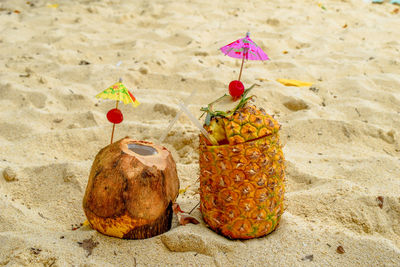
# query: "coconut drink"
x,y
241,171
131,190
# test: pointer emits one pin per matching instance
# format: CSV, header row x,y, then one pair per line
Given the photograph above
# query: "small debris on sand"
x,y
88,245
36,251
380,201
9,174
340,250
84,62
308,258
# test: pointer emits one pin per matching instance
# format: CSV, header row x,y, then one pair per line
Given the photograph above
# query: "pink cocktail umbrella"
x,y
244,48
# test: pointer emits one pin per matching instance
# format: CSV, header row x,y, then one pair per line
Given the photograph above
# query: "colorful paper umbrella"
x,y
117,92
244,48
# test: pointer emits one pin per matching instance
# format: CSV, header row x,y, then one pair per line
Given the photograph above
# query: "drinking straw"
x,y
196,122
116,105
178,114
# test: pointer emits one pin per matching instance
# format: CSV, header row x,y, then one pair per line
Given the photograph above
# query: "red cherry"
x,y
115,116
236,89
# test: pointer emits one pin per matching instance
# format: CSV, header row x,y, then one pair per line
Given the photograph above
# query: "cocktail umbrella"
x,y
117,92
243,48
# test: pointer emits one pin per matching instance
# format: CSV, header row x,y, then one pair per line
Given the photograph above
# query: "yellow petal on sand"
x,y
52,5
182,191
297,83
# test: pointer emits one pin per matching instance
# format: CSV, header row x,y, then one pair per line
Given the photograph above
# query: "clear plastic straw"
x,y
178,114
196,122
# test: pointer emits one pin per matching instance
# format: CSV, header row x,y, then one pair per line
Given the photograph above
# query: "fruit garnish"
x,y
211,113
236,89
115,116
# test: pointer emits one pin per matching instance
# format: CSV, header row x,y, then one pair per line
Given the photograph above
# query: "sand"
x,y
341,135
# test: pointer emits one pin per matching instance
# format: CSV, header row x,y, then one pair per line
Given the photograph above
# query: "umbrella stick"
x,y
112,133
241,68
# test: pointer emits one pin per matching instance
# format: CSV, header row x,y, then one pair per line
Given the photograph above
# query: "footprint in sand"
x,y
179,39
302,180
14,131
294,104
165,109
191,238
74,101
22,98
273,22
282,65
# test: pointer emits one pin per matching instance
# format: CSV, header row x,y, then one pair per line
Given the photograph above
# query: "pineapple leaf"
x,y
208,119
201,116
211,113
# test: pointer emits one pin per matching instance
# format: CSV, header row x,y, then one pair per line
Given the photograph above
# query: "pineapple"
x,y
241,178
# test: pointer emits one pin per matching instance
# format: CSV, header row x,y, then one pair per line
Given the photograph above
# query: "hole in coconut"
x,y
142,149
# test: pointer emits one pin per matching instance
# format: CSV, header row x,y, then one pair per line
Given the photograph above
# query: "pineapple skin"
x,y
242,184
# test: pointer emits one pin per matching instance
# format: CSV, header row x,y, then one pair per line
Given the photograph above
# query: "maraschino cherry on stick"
x,y
236,89
117,92
115,117
243,48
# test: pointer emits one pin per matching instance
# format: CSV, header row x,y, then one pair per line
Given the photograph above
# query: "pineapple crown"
x,y
216,113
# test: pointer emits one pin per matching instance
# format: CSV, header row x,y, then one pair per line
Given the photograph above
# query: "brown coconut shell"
x,y
131,188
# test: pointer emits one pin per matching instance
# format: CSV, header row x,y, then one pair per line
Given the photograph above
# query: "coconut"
x,y
131,189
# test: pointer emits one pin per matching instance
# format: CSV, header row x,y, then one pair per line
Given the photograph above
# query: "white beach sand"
x,y
341,136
